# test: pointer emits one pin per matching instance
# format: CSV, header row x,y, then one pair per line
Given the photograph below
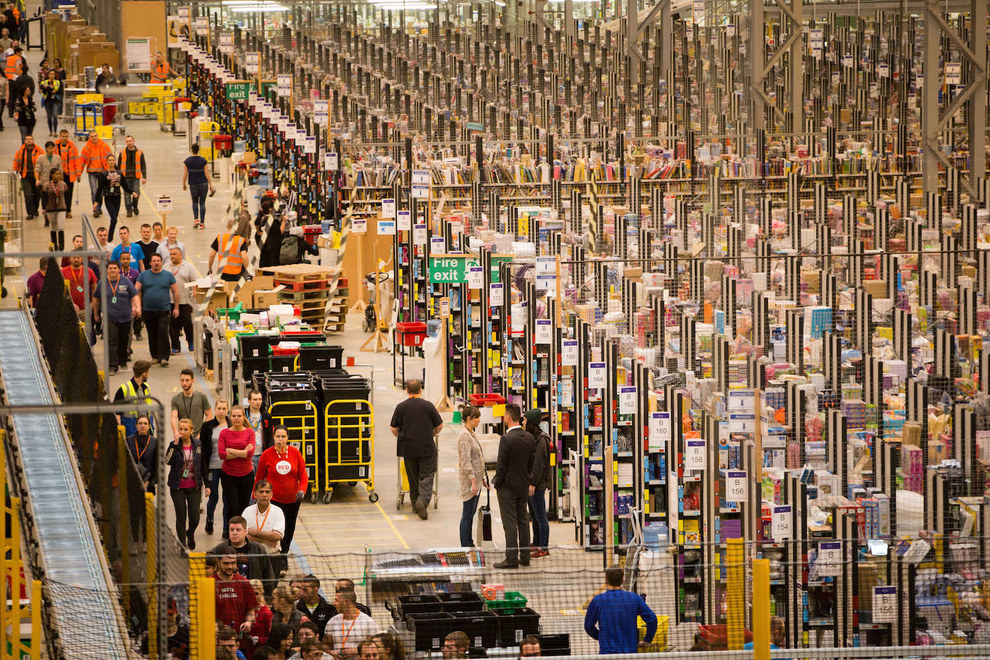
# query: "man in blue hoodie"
x,y
612,617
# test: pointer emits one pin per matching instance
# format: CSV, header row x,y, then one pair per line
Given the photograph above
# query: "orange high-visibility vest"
x,y
71,163
94,155
230,252
14,66
124,169
160,74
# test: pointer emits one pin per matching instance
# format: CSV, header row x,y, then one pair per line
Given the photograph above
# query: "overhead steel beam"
x,y
792,16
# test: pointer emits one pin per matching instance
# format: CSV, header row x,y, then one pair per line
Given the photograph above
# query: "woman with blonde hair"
x,y
209,438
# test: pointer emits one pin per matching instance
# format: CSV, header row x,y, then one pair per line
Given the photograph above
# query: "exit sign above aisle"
x,y
238,91
454,268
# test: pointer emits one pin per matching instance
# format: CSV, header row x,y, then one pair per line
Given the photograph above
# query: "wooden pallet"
x,y
305,286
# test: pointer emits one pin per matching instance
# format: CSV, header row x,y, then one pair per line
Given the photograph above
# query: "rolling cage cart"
x,y
348,431
292,402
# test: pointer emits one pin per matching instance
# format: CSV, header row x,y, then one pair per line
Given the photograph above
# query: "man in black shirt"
x,y
149,246
416,423
513,476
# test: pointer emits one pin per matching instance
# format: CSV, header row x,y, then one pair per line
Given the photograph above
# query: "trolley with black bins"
x,y
292,401
346,464
349,429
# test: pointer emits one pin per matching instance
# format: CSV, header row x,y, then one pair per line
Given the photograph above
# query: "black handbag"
x,y
485,514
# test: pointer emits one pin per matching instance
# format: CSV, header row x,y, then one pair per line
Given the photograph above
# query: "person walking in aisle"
x,y
55,206
185,481
542,478
269,227
209,438
512,481
93,159
126,245
158,289
235,447
184,276
233,253
135,171
266,522
171,241
144,450
24,161
25,112
160,70
194,177
252,560
135,389
284,467
416,423
189,404
471,471
80,290
109,189
123,304
612,617
261,423
51,99
43,173
71,165
36,282
149,245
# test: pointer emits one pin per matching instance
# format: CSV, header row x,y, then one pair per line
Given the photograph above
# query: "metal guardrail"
x,y
61,523
12,210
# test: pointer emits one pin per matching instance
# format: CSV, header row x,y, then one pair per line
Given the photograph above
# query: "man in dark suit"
x,y
512,480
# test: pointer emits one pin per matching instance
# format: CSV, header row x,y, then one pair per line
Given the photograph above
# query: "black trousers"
x,y
180,324
291,512
118,342
236,495
514,508
31,195
156,324
186,501
421,471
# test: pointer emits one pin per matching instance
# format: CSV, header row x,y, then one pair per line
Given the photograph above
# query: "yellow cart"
x,y
349,442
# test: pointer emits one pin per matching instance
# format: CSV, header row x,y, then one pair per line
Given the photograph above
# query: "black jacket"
x,y
515,461
206,440
267,429
321,615
173,458
542,476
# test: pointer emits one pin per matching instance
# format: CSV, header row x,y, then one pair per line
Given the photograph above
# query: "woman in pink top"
x,y
235,447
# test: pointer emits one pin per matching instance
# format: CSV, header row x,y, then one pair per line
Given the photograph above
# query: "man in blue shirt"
x,y
137,254
158,290
123,303
612,617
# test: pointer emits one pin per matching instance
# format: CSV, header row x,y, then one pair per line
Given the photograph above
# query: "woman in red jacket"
x,y
284,467
235,447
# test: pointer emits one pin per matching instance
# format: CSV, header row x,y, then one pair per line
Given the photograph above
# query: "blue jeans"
x,y
538,512
199,192
467,521
213,483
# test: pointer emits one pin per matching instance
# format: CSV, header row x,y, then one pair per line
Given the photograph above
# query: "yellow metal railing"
x,y
18,609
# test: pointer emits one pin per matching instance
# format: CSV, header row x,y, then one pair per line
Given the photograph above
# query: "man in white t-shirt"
x,y
265,521
349,627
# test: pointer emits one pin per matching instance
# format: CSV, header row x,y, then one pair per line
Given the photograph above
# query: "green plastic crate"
x,y
513,601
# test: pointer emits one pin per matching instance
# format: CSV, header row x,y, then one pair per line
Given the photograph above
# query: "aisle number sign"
x,y
252,62
388,205
694,454
597,376
781,526
884,604
283,84
202,26
544,331
359,226
163,205
475,277
829,562
227,43
659,430
421,177
569,353
735,485
627,400
321,112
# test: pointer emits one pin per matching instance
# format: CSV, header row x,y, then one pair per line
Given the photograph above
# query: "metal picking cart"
x,y
402,483
349,436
